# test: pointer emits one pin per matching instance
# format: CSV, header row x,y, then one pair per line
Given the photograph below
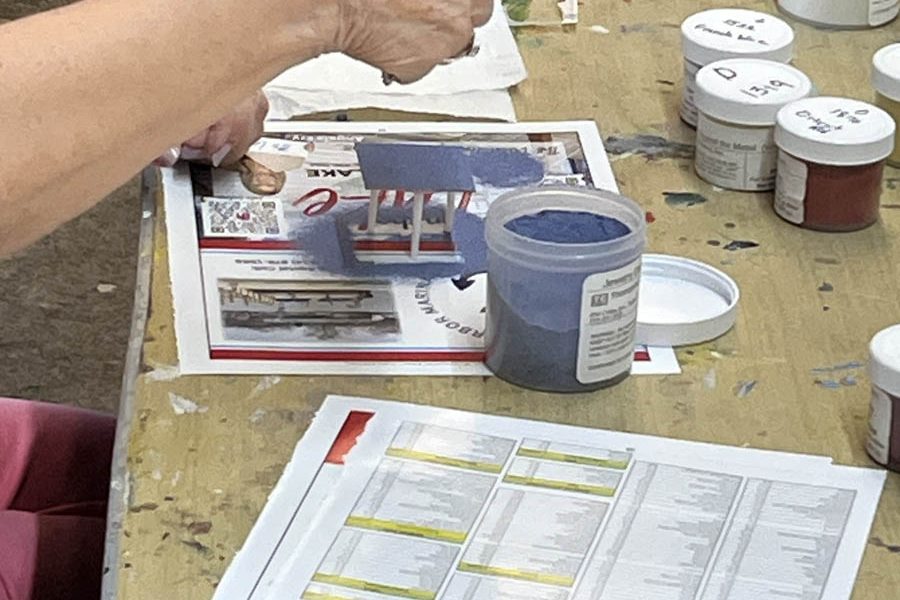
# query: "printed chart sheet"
x,y
386,500
250,298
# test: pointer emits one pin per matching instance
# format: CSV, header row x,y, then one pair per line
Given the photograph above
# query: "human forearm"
x,y
91,93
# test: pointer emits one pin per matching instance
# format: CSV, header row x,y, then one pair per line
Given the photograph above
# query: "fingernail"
x,y
168,158
219,156
191,153
387,78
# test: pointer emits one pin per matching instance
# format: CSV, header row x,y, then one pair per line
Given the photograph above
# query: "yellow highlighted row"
x,y
562,580
432,533
609,463
597,490
309,595
444,460
377,588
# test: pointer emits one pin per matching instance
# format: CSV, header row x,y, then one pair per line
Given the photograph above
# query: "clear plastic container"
x,y
561,317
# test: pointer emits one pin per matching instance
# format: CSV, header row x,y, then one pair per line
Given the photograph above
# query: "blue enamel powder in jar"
x,y
563,278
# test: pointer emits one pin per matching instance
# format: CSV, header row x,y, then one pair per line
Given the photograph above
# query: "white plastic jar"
x,y
842,14
721,33
831,157
886,81
738,100
883,443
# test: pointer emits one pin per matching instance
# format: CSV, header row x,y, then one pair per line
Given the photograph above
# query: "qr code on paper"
x,y
242,217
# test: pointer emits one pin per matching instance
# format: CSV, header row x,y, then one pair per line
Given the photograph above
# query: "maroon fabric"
x,y
53,455
54,482
50,557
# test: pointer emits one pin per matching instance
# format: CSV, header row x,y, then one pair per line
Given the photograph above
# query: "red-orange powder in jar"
x,y
831,160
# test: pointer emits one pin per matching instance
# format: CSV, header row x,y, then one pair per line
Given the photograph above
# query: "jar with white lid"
x,y
831,157
722,33
842,14
886,81
738,100
883,443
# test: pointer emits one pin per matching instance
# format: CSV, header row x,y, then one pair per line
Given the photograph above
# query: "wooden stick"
x,y
450,212
373,211
418,206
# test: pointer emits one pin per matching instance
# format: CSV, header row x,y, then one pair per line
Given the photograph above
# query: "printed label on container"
x,y
738,158
880,422
790,188
608,320
882,11
688,108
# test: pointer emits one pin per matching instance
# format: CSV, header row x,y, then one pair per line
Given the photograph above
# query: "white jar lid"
x,y
749,91
835,131
683,301
884,360
720,33
886,74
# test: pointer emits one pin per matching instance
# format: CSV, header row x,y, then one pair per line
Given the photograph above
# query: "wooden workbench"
x,y
189,487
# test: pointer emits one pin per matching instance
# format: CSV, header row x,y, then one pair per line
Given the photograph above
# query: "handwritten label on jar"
x,y
609,304
880,422
882,11
790,188
736,30
764,89
724,32
835,120
747,80
839,127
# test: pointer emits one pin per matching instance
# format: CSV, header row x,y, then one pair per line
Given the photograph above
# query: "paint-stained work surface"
x,y
189,464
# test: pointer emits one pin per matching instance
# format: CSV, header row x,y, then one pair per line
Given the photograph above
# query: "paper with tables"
x,y
248,300
387,500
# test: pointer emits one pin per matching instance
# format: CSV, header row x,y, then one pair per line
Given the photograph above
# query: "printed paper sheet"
x,y
498,65
248,300
386,500
473,87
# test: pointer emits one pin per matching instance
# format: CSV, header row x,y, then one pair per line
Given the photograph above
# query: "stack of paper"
x,y
474,87
384,501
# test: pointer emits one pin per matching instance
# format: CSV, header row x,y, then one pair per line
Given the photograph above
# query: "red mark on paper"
x,y
466,198
650,217
346,438
321,205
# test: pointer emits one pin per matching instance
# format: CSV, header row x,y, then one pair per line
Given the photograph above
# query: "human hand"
x,y
406,39
226,140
